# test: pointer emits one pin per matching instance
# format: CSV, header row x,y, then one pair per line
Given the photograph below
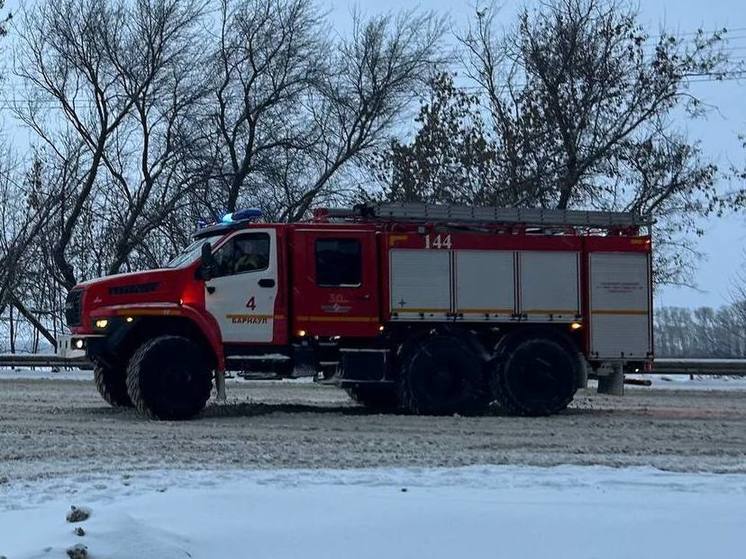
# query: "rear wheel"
x,y
169,377
380,397
536,376
111,383
443,375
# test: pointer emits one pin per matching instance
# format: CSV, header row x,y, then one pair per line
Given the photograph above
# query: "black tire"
x,y
379,397
535,376
443,375
111,383
169,377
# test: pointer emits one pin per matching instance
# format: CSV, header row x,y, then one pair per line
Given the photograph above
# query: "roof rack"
x,y
487,215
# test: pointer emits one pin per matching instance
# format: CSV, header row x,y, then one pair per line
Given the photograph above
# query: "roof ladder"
x,y
484,215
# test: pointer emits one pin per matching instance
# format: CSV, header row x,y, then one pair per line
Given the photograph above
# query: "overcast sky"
x,y
723,243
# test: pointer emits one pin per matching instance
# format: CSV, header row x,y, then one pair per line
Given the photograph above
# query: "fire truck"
x,y
426,309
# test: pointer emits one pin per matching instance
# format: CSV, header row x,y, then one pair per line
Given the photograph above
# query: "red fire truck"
x,y
421,308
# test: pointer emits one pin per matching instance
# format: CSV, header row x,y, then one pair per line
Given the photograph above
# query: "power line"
x,y
725,30
687,81
7,104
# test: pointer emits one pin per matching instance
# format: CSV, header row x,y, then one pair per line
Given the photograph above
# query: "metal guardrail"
x,y
43,360
667,366
703,367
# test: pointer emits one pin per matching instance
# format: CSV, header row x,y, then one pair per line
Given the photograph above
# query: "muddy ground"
x,y
59,427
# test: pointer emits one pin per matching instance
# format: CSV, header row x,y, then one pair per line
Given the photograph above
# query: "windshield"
x,y
189,254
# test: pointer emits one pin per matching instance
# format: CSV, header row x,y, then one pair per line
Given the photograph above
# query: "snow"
x,y
478,511
667,381
684,382
45,374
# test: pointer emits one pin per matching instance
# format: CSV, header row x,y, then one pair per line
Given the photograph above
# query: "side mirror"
x,y
208,267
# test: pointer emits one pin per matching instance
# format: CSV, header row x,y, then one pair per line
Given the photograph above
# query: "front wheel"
x,y
169,377
111,383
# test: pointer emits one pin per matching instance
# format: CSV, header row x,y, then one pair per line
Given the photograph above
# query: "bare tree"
x,y
580,80
293,108
115,72
23,218
268,56
63,57
374,76
148,159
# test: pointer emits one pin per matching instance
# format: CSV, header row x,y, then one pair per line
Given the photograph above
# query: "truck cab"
x,y
248,296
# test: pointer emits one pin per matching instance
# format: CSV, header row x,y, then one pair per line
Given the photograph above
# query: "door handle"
x,y
266,282
210,289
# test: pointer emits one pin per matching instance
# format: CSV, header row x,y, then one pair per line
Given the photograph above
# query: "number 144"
x,y
438,241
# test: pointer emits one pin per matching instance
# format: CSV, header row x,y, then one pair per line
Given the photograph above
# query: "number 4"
x,y
251,304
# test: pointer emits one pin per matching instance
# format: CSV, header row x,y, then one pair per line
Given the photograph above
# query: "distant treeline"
x,y
701,332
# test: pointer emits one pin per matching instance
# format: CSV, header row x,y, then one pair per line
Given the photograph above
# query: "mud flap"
x,y
304,361
220,386
583,372
364,365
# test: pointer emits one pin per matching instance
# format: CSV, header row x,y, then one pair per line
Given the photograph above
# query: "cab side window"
x,y
244,253
338,263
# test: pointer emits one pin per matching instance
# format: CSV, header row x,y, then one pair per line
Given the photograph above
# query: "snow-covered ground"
x,y
50,428
674,382
478,511
684,382
61,446
44,374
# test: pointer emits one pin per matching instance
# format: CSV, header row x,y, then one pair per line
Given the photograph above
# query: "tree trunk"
x,y
58,254
12,331
28,315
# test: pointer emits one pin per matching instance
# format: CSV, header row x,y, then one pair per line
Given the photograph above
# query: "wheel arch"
x,y
556,333
415,335
550,331
148,327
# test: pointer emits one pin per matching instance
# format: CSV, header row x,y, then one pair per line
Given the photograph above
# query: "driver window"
x,y
243,253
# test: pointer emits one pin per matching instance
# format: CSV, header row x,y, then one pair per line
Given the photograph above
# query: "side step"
x,y
260,366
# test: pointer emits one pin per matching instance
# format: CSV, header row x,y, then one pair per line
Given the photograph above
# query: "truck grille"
x,y
73,307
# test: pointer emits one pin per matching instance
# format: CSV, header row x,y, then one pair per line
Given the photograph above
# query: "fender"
x,y
207,325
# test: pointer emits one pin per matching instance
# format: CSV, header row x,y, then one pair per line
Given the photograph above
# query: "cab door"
x,y
242,294
335,282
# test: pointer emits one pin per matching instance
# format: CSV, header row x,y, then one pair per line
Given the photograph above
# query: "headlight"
x,y
101,323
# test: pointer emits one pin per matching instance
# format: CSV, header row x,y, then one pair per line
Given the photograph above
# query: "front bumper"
x,y
101,344
75,345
